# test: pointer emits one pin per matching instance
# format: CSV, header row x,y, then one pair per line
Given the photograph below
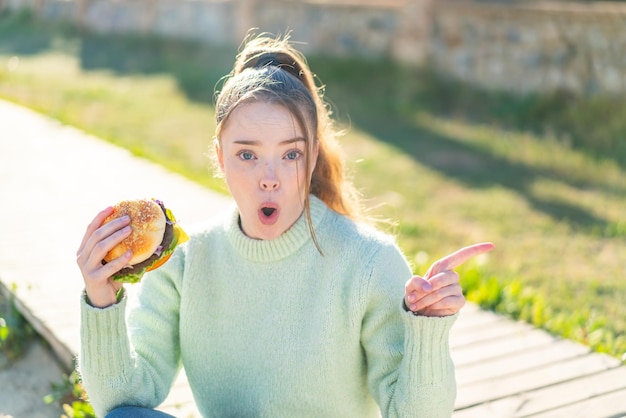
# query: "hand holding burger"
x,y
122,243
154,235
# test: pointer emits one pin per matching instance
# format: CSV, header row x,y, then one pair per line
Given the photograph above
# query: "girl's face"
x,y
261,152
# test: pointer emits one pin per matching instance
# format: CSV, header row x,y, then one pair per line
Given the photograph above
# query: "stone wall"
x,y
337,27
532,47
518,46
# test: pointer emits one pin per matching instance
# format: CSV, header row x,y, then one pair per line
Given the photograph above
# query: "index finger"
x,y
457,258
95,224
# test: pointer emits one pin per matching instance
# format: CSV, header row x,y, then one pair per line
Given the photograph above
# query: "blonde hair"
x,y
271,70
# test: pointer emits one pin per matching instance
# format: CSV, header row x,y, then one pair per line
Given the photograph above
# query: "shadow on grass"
x,y
18,35
377,95
476,168
195,66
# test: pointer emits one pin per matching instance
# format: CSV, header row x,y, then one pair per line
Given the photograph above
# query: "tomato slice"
x,y
159,263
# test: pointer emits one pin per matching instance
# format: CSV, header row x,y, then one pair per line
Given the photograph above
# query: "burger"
x,y
155,234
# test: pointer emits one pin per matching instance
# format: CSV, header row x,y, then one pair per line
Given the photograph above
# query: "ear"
x,y
219,153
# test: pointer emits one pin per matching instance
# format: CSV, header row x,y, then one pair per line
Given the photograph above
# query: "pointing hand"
x,y
438,292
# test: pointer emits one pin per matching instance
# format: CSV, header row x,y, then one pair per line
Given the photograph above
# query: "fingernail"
x,y
413,307
426,287
128,254
411,298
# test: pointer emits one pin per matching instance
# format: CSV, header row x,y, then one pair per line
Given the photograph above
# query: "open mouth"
x,y
268,211
268,214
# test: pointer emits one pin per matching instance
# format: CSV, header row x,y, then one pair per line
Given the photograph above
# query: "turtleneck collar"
x,y
265,251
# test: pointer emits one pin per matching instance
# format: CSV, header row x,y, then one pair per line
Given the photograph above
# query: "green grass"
x,y
15,332
540,176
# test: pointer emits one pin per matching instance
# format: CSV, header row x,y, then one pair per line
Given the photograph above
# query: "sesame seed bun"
x,y
147,221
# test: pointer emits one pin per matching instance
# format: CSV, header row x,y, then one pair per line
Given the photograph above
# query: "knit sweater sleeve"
x,y
410,371
133,364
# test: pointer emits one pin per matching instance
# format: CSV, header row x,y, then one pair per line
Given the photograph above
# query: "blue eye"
x,y
293,155
246,155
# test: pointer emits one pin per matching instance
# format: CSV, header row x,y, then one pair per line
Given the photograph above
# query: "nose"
x,y
269,181
269,184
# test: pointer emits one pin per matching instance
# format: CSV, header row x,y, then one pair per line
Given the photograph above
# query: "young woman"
x,y
291,305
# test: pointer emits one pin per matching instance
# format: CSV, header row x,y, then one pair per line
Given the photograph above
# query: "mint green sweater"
x,y
274,329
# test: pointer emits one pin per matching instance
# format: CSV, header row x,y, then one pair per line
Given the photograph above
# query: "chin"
x,y
263,232
273,234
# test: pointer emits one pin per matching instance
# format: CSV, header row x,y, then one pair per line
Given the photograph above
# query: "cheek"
x,y
236,174
294,173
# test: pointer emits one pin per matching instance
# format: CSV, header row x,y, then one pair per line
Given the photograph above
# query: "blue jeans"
x,y
136,412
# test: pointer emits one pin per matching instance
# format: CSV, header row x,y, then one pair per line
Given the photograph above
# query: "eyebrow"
x,y
254,142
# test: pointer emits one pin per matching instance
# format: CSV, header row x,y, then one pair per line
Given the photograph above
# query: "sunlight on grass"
x,y
547,153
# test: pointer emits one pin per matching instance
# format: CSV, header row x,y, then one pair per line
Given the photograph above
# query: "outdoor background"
x,y
500,122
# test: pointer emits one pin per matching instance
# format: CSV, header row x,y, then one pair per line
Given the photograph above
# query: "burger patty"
x,y
165,243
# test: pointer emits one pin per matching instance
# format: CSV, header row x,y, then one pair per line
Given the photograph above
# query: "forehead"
x,y
261,122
